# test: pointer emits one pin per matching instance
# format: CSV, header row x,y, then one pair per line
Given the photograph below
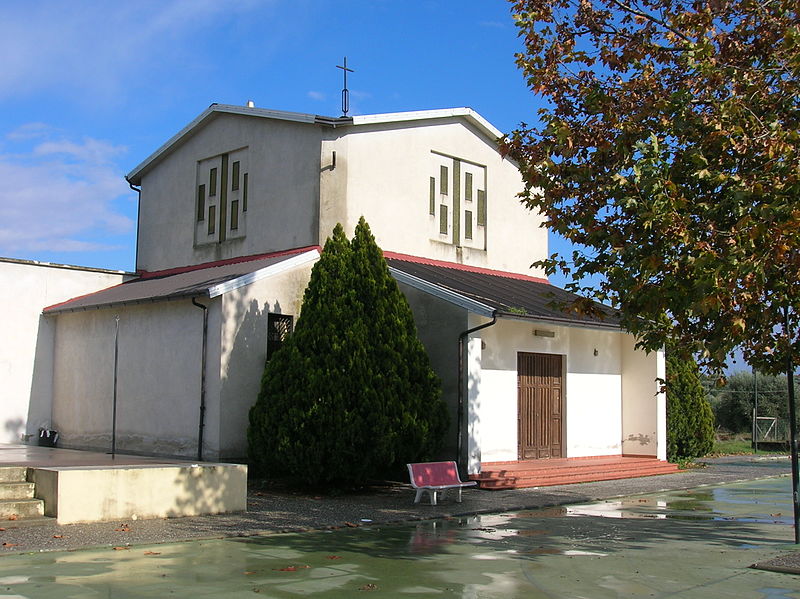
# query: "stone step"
x,y
544,468
20,509
561,471
27,522
13,474
514,481
16,490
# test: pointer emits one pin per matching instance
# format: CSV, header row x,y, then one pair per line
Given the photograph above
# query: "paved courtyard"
x,y
688,543
280,511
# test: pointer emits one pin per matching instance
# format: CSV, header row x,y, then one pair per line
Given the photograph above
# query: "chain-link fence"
x,y
770,429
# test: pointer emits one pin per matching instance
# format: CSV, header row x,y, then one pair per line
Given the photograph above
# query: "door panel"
x,y
540,405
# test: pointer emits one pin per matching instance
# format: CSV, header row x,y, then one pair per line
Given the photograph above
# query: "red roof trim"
x,y
72,299
464,267
144,274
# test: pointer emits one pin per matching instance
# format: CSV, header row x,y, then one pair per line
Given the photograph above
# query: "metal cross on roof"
x,y
345,91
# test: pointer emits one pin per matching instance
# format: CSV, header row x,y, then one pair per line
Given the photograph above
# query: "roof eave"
x,y
488,311
442,293
209,292
122,303
564,322
464,112
263,273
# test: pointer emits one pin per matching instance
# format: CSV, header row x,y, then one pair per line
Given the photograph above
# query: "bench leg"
x,y
419,495
432,493
459,495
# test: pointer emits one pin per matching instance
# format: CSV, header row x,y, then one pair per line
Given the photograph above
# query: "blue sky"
x,y
89,89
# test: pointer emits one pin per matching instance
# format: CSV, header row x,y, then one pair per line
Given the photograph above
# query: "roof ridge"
x,y
464,267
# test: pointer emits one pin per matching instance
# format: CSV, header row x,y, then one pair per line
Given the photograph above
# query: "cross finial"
x,y
345,91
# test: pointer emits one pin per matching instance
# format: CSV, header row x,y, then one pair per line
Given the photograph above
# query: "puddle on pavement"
x,y
631,547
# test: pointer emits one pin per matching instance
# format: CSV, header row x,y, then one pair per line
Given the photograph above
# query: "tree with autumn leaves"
x,y
667,153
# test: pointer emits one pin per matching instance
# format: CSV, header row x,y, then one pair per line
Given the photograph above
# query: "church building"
x,y
233,211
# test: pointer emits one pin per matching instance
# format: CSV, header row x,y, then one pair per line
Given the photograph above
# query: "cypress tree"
x,y
690,421
351,395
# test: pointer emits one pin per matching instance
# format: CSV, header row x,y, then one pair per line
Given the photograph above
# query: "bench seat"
x,y
434,477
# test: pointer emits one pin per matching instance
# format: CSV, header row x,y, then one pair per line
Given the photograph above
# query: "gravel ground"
x,y
281,511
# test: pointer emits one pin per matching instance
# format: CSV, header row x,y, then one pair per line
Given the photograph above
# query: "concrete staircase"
x,y
17,502
565,471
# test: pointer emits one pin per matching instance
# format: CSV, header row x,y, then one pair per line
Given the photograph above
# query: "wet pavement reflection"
x,y
696,543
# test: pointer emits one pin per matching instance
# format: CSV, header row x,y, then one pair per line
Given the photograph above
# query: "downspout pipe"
x,y
202,424
462,466
138,190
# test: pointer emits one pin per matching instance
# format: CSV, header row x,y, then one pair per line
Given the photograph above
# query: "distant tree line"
x,y
733,404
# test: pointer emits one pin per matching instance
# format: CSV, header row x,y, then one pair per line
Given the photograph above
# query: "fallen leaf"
x,y
287,569
152,553
334,557
58,536
13,517
122,530
248,573
351,525
121,548
2,529
368,587
775,515
9,544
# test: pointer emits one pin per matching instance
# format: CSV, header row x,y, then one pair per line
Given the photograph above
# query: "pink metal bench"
x,y
434,477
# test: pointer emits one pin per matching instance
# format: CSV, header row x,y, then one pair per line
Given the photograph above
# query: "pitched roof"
x,y
207,280
486,292
135,176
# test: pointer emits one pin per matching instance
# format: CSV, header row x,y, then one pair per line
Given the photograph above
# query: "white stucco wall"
x,y
244,348
592,389
644,422
384,171
26,356
283,162
297,195
158,390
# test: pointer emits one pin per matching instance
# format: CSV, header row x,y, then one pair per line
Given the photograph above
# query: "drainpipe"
x,y
461,338
202,381
114,398
138,190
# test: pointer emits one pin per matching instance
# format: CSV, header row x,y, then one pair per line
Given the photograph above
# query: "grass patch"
x,y
738,446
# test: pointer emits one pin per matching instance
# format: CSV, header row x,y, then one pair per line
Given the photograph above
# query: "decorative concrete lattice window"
x,y
221,190
457,201
279,327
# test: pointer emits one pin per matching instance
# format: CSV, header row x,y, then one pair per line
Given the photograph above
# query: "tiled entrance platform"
x,y
564,471
84,486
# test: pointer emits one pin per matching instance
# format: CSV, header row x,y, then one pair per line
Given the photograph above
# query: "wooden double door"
x,y
540,387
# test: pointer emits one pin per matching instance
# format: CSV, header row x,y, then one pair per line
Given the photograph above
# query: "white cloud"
x,y
58,194
318,96
96,48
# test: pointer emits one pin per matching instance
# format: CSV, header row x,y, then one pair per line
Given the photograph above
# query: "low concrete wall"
x,y
95,494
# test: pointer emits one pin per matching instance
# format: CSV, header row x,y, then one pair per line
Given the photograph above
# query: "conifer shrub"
x,y
350,396
690,421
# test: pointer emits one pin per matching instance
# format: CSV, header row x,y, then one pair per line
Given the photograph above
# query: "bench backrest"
x,y
433,474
